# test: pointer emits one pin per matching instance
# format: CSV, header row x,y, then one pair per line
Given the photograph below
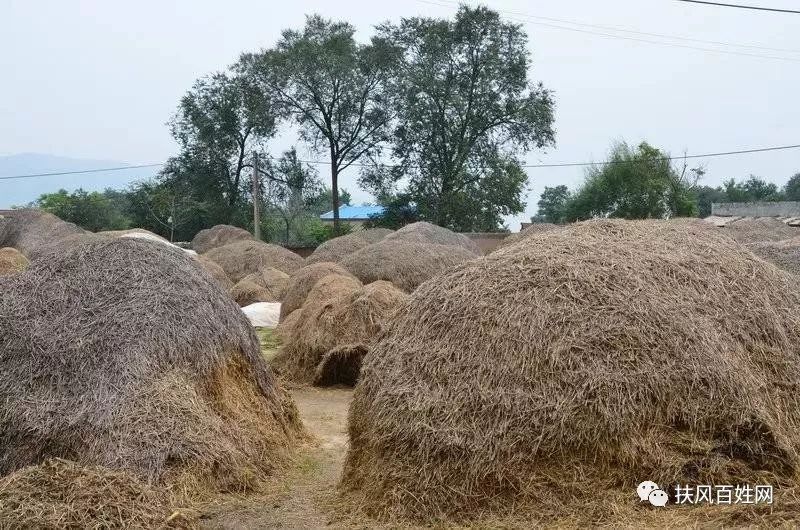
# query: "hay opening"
x,y
123,353
579,361
339,312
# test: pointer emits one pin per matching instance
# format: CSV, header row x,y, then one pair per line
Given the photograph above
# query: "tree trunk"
x,y
335,190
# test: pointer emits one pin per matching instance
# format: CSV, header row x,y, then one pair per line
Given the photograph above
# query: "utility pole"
x,y
256,199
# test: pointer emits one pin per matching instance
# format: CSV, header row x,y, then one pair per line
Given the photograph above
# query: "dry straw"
x,y
406,264
60,494
303,280
12,261
577,362
124,353
532,230
759,229
36,232
338,313
785,254
423,232
216,272
240,258
338,248
218,236
266,285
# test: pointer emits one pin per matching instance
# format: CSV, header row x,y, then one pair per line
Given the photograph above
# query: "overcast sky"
x,y
98,79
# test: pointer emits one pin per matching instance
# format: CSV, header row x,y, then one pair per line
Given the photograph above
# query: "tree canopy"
x,y
635,183
332,87
465,108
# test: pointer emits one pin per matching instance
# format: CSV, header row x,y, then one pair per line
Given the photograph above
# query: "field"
x,y
594,374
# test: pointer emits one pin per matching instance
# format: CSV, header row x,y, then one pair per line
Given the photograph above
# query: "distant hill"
x,y
22,191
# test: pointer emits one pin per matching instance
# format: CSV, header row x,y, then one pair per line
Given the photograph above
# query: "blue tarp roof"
x,y
355,212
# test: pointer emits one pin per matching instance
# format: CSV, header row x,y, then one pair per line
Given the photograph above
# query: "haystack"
x,y
123,353
759,229
216,272
36,232
12,261
287,324
406,264
303,280
267,285
580,361
338,248
218,236
785,254
337,325
423,232
532,230
62,494
241,258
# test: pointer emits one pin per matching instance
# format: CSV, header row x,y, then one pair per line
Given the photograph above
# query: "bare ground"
x,y
303,495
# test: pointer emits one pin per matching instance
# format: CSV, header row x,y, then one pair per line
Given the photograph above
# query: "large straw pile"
x,y
406,264
335,328
241,258
759,229
785,254
12,261
218,236
303,280
61,494
266,285
338,248
216,272
36,232
580,361
125,354
423,232
532,230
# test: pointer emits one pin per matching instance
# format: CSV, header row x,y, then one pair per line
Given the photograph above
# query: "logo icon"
x,y
649,491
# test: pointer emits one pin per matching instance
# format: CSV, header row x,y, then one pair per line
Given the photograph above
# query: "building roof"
x,y
354,213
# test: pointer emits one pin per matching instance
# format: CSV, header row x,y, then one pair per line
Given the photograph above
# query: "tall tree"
x,y
465,109
792,188
333,87
220,122
638,183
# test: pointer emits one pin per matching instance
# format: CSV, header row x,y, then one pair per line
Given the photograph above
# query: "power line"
x,y
636,39
79,172
635,32
741,6
356,164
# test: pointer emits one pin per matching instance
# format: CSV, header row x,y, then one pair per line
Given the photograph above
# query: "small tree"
x,y
333,87
638,183
792,188
553,204
290,188
93,211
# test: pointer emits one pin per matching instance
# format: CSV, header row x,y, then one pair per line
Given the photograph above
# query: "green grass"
x,y
269,342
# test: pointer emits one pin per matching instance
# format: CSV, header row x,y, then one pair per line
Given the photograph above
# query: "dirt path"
x,y
303,494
